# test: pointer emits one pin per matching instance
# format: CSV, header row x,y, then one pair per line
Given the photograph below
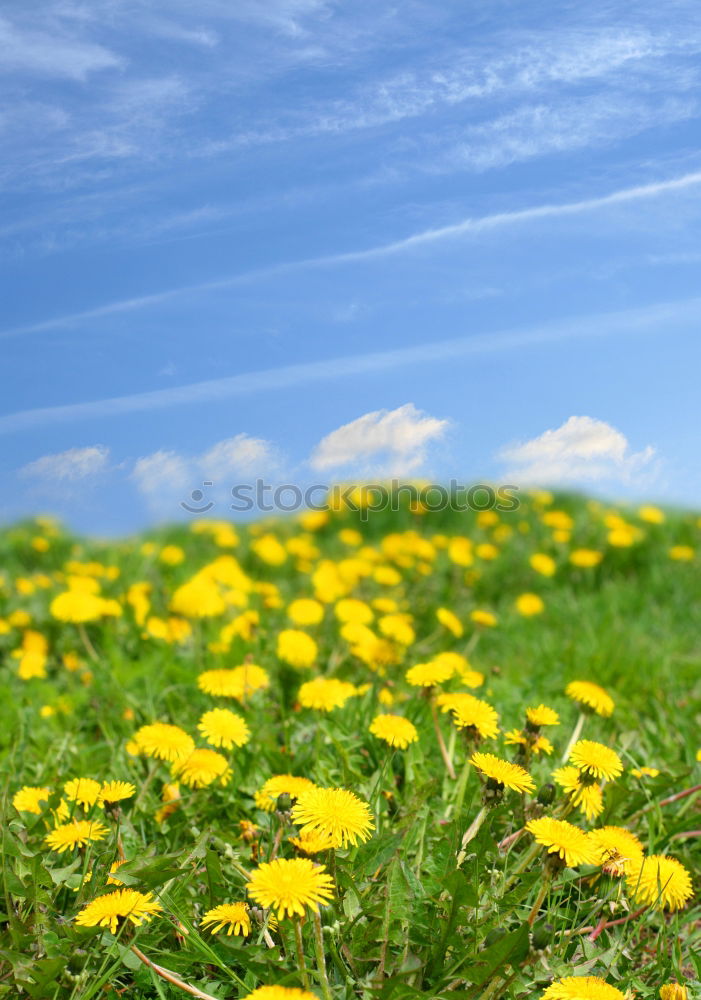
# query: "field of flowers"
x,y
408,755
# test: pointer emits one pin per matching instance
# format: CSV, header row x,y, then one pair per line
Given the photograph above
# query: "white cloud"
x,y
167,478
581,450
72,466
385,442
238,456
51,54
162,478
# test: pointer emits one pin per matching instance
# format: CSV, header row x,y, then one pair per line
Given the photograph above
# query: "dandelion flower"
x,y
645,772
585,558
568,842
84,791
660,881
528,605
235,682
77,606
281,784
542,716
232,916
325,693
428,674
450,620
280,993
673,991
305,611
296,648
586,796
582,988
122,904
481,617
395,730
223,728
313,843
116,791
543,564
596,759
28,799
681,553
539,744
503,772
336,812
202,768
473,714
619,849
591,696
66,836
290,886
163,741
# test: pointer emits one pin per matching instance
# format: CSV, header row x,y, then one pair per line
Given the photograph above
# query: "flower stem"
x,y
170,977
574,737
299,946
472,832
84,638
441,743
547,877
320,958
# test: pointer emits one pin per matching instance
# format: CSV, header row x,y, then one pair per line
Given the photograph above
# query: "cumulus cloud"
x,y
72,466
384,442
582,450
167,478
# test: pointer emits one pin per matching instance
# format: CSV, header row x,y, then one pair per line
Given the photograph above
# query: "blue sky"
x,y
309,239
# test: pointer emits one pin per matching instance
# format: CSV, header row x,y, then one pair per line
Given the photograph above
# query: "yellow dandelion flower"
x,y
586,796
351,611
619,850
223,728
481,617
122,904
397,627
430,673
325,693
116,791
591,696
543,564
202,768
336,812
582,988
585,558
232,916
170,797
660,881
681,553
451,621
540,744
29,799
280,993
163,741
528,605
66,836
84,791
313,843
503,772
395,730
296,648
77,607
235,682
645,772
305,611
281,784
473,713
673,991
542,716
565,840
596,759
289,886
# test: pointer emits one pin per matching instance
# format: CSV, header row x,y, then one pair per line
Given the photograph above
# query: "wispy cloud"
x,y
649,318
50,54
464,227
74,465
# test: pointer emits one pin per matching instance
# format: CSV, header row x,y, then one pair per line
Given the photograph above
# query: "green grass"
x,y
406,921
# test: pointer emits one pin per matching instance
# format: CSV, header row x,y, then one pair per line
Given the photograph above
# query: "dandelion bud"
x,y
284,803
546,794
